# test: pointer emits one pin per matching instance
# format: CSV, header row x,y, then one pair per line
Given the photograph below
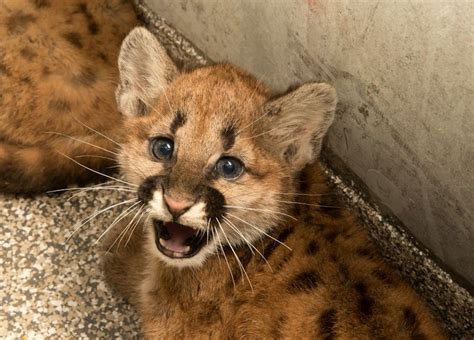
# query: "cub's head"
x,y
214,156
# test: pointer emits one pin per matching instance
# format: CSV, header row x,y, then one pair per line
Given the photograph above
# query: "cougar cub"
x,y
234,233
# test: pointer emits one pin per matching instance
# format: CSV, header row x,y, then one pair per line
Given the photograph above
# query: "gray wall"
x,y
404,74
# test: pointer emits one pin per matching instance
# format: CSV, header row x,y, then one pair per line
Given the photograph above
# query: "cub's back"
x,y
57,67
59,57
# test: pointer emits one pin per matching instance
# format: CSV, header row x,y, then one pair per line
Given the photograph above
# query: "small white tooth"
x,y
162,242
187,249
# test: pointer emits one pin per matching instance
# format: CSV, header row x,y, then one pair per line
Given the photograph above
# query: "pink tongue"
x,y
179,234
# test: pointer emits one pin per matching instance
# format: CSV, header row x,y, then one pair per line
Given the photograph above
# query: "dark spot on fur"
x,y
93,28
178,121
308,219
142,108
303,182
312,248
246,257
290,152
412,324
319,227
283,261
327,322
215,201
41,3
28,53
86,77
331,235
74,38
92,25
365,301
272,109
344,271
26,80
45,72
103,57
261,298
228,137
383,276
303,282
148,187
4,70
282,237
59,105
209,313
331,205
277,329
366,252
18,22
236,301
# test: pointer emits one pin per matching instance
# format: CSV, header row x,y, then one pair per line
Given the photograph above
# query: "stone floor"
x,y
52,286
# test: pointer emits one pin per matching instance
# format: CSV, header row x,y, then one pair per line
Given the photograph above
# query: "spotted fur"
x,y
309,271
57,70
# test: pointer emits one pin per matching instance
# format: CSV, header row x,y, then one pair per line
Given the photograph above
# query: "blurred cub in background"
x,y
58,75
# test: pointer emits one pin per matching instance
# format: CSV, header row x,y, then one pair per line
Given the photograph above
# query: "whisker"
x,y
257,209
99,133
128,227
260,134
81,141
135,226
260,230
79,188
118,189
233,227
214,236
95,214
242,269
312,205
116,220
298,194
95,171
249,243
225,258
96,156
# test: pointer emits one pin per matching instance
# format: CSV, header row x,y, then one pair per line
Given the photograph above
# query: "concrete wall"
x,y
404,74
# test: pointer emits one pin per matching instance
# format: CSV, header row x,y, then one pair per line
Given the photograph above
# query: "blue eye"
x,y
229,167
161,148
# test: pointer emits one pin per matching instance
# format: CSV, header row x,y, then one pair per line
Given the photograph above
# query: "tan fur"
x,y
331,284
203,302
58,70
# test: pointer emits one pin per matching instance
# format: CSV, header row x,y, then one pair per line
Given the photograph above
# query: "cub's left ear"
x,y
298,122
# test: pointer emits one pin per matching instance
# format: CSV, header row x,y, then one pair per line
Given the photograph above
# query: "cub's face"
x,y
212,155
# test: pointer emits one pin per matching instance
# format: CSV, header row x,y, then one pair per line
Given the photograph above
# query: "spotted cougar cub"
x,y
57,79
240,238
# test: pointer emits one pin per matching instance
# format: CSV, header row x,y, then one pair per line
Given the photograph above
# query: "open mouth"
x,y
178,241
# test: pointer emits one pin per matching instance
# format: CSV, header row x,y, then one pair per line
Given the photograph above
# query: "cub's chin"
x,y
180,245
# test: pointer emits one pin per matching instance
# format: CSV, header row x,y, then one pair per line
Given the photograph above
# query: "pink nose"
x,y
177,207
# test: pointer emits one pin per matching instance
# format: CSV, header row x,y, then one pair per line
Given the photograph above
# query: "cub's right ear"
x,y
145,71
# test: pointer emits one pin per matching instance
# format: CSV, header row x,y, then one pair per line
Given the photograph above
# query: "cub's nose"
x,y
177,207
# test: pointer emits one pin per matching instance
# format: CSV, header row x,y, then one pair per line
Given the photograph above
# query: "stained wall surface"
x,y
404,74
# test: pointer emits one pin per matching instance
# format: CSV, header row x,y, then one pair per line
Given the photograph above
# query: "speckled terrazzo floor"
x,y
50,288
